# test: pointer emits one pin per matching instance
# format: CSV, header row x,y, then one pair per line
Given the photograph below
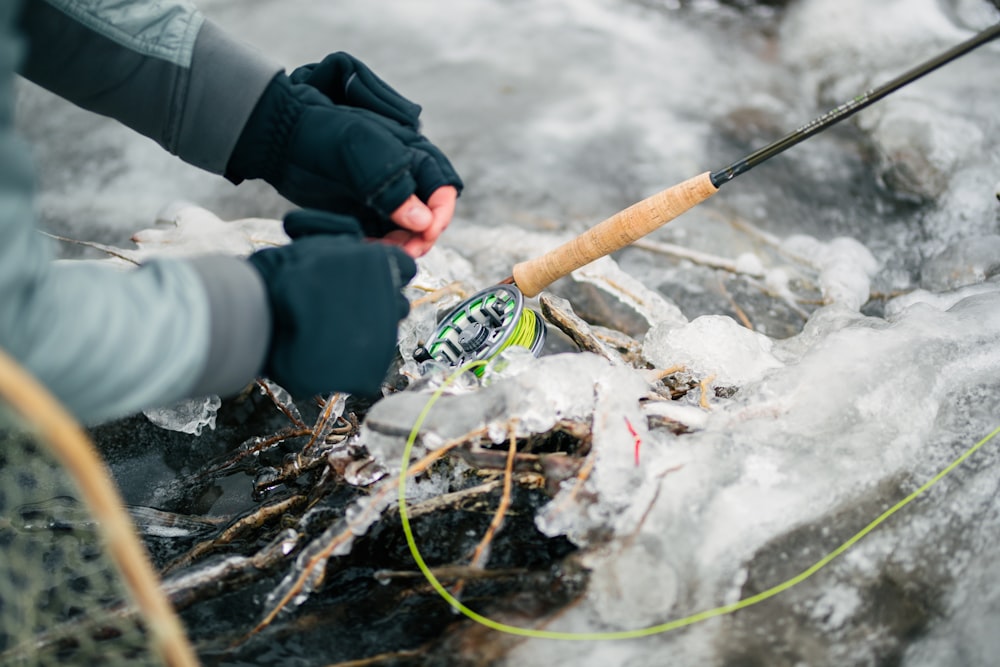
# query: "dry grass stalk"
x,y
704,384
455,288
735,306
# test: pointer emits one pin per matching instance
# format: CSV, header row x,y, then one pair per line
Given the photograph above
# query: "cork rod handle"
x,y
621,229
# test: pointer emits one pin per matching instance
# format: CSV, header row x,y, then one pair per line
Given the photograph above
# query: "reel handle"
x,y
621,229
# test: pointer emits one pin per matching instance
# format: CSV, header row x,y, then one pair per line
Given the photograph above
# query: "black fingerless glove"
x,y
335,137
345,80
336,303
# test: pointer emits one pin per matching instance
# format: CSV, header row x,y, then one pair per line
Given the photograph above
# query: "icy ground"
x,y
866,261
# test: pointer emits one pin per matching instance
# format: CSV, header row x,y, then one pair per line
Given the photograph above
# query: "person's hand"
x,y
334,136
345,80
336,303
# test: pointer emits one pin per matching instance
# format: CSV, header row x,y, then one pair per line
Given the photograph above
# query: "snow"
x,y
559,114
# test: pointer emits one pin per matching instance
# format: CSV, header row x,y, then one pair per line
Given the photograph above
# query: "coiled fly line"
x,y
653,629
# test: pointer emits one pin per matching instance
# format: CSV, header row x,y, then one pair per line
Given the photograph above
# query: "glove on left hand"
x,y
335,305
347,159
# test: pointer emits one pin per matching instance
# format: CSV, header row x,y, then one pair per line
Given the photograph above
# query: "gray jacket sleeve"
x,y
109,342
158,67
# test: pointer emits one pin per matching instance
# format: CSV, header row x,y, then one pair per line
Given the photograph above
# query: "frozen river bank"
x,y
865,262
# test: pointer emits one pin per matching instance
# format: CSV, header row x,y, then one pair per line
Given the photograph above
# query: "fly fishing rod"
x,y
638,220
496,318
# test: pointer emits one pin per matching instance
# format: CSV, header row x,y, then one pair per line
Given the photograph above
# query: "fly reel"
x,y
482,326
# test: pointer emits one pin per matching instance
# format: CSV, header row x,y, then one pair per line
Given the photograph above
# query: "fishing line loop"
x,y
653,629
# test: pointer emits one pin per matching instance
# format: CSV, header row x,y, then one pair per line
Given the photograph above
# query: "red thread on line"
x,y
635,436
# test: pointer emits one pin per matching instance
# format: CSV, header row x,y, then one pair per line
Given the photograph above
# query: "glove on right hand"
x,y
336,303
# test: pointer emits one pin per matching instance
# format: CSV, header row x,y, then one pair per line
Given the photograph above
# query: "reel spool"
x,y
482,326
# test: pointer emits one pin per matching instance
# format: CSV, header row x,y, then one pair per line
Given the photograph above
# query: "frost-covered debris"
x,y
187,229
559,313
532,400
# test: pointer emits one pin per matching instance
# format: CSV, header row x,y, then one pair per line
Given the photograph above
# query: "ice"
x,y
692,417
966,262
826,415
607,275
414,331
624,600
539,395
932,138
188,416
845,267
712,346
875,252
936,300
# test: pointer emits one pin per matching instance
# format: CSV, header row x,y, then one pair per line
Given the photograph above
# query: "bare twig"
x,y
658,374
581,478
323,424
694,256
482,551
280,405
383,658
108,250
481,554
455,288
235,531
735,306
257,447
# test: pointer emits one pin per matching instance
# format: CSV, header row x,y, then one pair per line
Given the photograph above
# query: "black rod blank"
x,y
850,107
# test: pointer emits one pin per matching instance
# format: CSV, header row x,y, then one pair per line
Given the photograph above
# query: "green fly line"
x,y
653,629
524,333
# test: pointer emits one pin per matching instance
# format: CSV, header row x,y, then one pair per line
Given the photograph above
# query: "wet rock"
x,y
921,148
862,615
598,307
967,262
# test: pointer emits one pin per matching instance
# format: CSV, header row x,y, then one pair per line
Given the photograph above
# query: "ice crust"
x,y
188,416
